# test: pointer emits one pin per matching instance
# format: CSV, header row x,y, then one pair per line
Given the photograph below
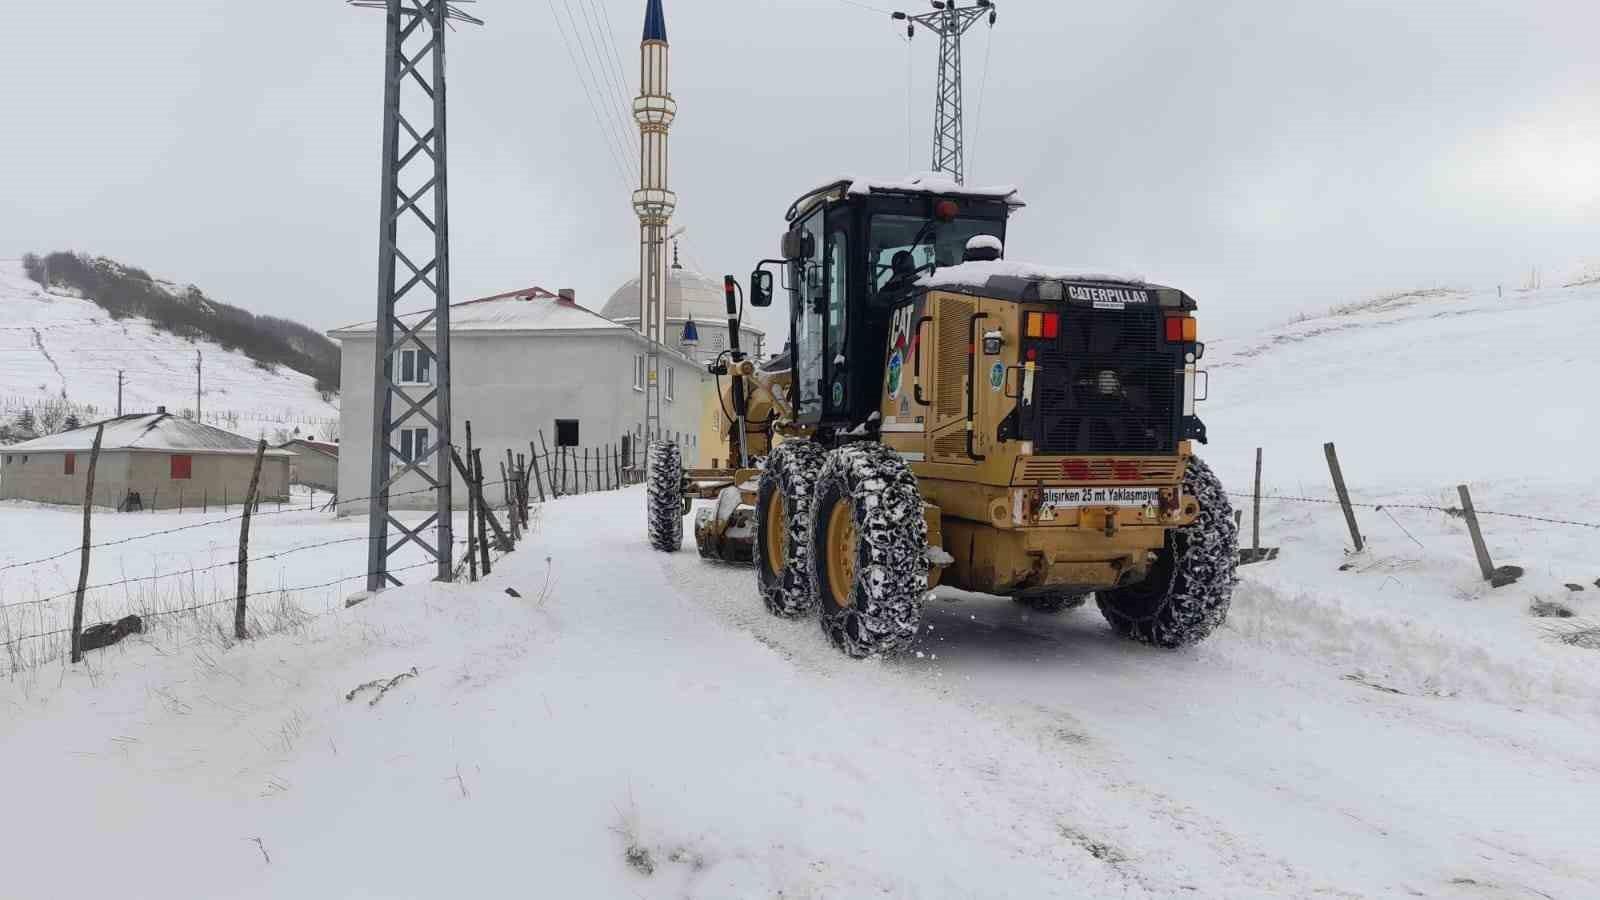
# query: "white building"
x,y
525,366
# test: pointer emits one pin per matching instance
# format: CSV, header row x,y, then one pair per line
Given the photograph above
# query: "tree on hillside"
x,y
71,422
25,427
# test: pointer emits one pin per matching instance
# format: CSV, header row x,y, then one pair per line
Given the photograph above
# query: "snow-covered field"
x,y
54,345
1390,728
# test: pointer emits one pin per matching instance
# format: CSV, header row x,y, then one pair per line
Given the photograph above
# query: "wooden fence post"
x,y
1255,515
1344,495
549,471
83,554
244,542
1485,565
585,470
511,509
472,531
522,485
538,478
483,514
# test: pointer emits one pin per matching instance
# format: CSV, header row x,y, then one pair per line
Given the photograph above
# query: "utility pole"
x,y
197,361
950,22
119,392
413,72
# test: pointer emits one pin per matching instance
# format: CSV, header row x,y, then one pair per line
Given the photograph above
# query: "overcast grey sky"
x,y
1269,156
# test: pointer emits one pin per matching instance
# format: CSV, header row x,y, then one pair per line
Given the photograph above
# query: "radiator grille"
x,y
1079,470
1108,384
955,319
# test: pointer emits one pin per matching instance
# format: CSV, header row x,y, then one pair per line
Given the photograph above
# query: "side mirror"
x,y
760,288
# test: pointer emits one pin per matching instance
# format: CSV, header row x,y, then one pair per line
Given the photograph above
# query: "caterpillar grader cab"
x,y
944,415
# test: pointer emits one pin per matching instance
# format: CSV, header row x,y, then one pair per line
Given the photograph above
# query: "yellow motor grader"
x,y
944,415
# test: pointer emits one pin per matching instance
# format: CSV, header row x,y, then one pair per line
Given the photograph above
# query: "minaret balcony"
x,y
654,109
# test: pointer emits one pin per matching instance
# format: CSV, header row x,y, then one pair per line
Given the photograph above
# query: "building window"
x,y
670,380
413,444
566,432
717,341
638,372
71,466
182,466
416,367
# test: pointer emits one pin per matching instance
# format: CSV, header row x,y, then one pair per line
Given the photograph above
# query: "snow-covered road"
x,y
1266,760
648,700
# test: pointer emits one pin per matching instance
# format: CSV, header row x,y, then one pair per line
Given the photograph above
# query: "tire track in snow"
x,y
1111,814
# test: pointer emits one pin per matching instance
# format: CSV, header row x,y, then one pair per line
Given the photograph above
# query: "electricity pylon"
x,y
413,71
950,22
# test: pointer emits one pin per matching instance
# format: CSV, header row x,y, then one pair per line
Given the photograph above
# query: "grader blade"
x,y
726,532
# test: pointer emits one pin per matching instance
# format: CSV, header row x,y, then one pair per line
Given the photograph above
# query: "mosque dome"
x,y
689,295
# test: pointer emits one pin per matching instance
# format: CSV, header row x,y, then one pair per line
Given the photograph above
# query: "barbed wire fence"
x,y
30,644
1467,512
33,630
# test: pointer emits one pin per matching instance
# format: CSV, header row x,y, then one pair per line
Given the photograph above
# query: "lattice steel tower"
x,y
413,80
653,109
950,22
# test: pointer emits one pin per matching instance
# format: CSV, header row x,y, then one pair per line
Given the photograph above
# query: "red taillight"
x,y
1125,470
1174,329
1033,354
1052,324
1076,468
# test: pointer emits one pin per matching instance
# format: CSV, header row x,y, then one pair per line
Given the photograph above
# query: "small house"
x,y
147,461
314,464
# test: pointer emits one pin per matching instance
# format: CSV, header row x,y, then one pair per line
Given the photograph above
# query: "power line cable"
x,y
620,129
983,83
602,44
606,134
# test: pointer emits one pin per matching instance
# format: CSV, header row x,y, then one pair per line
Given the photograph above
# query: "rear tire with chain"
x,y
1186,595
664,486
869,550
783,527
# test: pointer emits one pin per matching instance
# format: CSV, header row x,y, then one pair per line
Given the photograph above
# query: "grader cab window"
x,y
893,235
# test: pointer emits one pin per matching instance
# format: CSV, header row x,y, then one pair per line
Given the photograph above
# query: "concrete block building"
x,y
168,461
527,365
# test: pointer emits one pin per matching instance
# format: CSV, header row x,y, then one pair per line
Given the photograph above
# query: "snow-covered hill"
x,y
628,723
56,346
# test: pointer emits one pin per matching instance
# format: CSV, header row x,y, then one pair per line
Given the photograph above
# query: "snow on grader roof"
x,y
928,183
932,183
977,274
158,432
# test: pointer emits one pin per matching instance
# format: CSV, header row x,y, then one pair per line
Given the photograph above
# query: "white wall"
x,y
511,387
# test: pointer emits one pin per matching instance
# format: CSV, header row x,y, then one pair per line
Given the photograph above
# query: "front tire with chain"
x,y
869,544
664,487
783,527
1186,595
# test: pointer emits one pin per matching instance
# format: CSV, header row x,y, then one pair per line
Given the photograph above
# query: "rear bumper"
x,y
1007,560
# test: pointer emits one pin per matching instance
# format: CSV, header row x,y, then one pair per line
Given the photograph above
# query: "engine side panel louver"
x,y
950,386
